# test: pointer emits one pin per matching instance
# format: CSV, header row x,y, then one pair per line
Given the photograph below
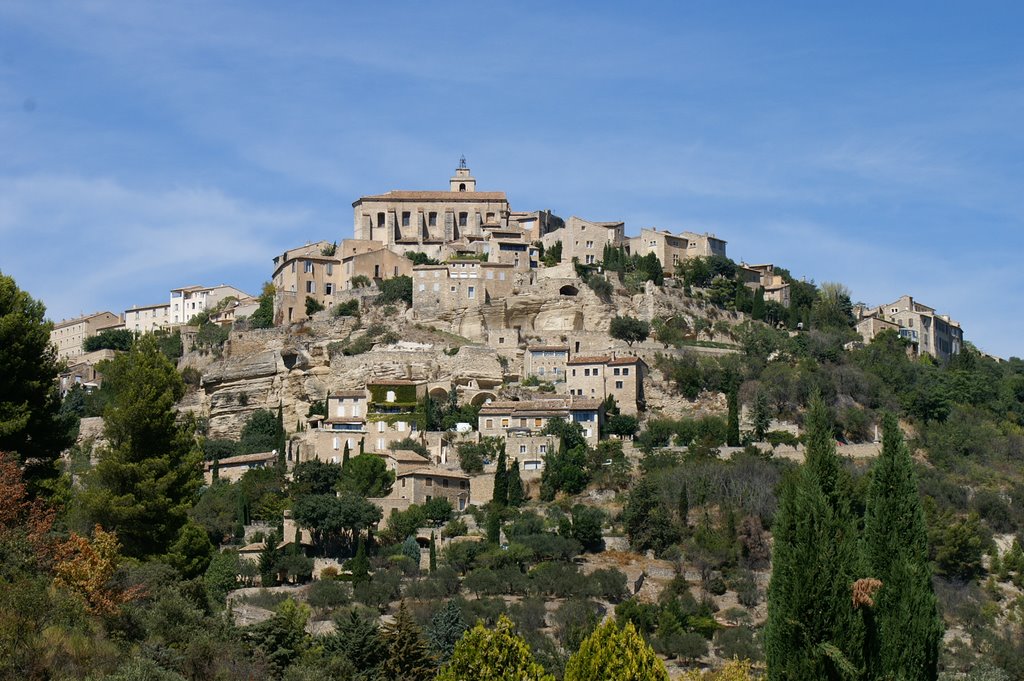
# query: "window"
x,y
423,287
490,274
490,217
328,289
618,385
625,371
543,449
437,287
329,268
504,423
307,267
444,482
597,372
337,443
341,409
538,423
355,410
380,426
293,269
590,259
522,449
653,244
405,218
432,219
400,426
590,244
472,292
573,372
586,372
616,372
310,287
501,276
540,371
489,423
380,444
390,397
463,217
430,482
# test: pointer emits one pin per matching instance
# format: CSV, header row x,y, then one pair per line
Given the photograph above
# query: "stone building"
x,y
703,245
69,335
232,468
535,224
426,220
342,427
420,485
775,287
528,449
394,411
301,272
671,249
148,318
459,284
499,418
586,239
929,333
188,301
546,362
375,264
601,376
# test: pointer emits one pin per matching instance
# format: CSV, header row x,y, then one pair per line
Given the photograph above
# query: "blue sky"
x,y
153,145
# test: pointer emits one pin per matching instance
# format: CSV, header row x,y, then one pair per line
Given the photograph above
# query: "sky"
x,y
151,145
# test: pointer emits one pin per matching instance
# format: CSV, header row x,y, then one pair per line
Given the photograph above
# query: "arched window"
x,y
462,186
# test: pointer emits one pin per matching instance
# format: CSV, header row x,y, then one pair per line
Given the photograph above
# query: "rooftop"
x,y
433,196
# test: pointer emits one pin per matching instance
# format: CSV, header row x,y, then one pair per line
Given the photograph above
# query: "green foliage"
x,y
313,306
516,496
31,423
906,616
191,552
959,546
600,286
445,629
361,281
367,475
586,527
438,510
314,477
282,639
629,329
615,654
813,630
564,471
397,289
472,454
553,255
222,575
263,317
760,416
360,564
497,654
499,496
261,433
149,474
420,258
648,522
109,339
350,308
832,307
408,657
334,521
732,435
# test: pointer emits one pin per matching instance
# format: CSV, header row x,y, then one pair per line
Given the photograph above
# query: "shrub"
x,y
398,289
329,593
350,308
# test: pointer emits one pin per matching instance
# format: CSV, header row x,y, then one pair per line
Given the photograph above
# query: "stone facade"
x,y
302,272
188,301
69,335
775,287
546,362
148,318
376,265
598,377
458,285
501,419
420,485
233,468
586,239
928,332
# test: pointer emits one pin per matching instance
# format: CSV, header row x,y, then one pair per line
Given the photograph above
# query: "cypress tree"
x,y
360,564
408,657
493,527
683,507
813,631
516,495
500,495
344,455
909,628
732,434
433,553
281,437
757,309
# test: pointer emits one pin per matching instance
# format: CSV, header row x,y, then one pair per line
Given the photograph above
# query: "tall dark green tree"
x,y
757,308
896,552
732,433
500,494
813,631
408,656
148,476
516,495
31,423
446,628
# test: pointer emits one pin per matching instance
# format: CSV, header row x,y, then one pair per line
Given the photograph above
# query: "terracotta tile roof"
x,y
548,348
406,456
586,403
355,392
434,471
624,360
600,359
244,458
434,196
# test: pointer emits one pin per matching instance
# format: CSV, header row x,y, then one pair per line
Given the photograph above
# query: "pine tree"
x,y
408,656
614,654
732,434
500,495
516,495
433,553
896,548
813,631
445,629
359,640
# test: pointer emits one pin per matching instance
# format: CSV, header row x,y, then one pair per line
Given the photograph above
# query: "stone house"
x,y
528,449
344,426
69,335
375,264
671,249
600,376
395,411
546,362
703,245
420,485
775,287
586,239
232,468
929,333
459,284
147,318
302,272
188,301
499,418
535,224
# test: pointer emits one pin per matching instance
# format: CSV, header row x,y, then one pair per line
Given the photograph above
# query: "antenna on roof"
x,y
462,161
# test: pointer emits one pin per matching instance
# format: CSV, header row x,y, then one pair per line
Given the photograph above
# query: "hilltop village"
x,y
457,358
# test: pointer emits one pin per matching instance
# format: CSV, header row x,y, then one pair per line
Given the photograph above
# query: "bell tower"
x,y
463,181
